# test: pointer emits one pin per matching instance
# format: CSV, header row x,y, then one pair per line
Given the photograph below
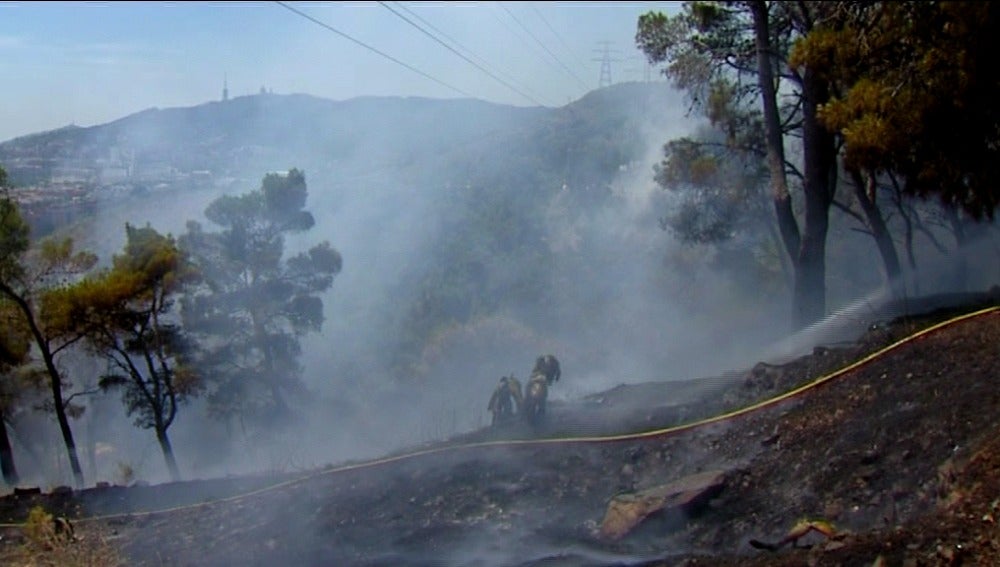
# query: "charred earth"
x,y
899,455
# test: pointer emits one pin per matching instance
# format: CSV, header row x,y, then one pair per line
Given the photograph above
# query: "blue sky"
x,y
88,63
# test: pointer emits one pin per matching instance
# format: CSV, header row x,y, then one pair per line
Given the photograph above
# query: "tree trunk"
x,y
272,380
788,227
911,258
168,454
960,273
865,191
55,382
820,159
64,428
91,445
7,456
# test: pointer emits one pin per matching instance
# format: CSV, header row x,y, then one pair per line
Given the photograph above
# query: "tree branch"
x,y
790,168
851,213
67,401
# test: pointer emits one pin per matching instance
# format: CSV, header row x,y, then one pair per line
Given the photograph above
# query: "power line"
x,y
559,37
471,53
547,50
449,48
374,50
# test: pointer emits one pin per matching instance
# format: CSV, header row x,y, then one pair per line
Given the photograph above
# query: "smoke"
x,y
624,302
619,311
941,280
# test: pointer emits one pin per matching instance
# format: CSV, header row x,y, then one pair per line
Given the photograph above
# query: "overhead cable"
x,y
543,46
449,48
497,69
559,37
374,50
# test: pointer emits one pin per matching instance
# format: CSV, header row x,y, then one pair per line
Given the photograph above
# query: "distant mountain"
x,y
257,132
247,135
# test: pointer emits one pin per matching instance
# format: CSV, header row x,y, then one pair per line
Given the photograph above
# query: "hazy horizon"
x,y
86,64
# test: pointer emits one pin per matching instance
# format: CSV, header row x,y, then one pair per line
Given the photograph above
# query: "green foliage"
x,y
15,337
27,277
708,207
718,179
155,260
707,48
285,200
719,200
731,58
123,313
919,87
14,233
254,303
15,345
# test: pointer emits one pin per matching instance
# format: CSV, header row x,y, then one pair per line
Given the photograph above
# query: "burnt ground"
x,y
901,455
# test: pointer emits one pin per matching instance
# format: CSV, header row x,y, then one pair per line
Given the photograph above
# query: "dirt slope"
x,y
901,455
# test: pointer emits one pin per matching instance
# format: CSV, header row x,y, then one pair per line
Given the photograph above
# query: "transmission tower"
x,y
606,60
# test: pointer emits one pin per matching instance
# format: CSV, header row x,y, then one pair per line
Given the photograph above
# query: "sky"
x,y
88,63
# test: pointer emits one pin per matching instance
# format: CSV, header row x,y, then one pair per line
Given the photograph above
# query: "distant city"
x,y
67,176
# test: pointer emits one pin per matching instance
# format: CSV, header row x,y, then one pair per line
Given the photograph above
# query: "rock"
x,y
833,545
626,511
18,492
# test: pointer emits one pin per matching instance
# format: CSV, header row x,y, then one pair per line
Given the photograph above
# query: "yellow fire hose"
x,y
558,440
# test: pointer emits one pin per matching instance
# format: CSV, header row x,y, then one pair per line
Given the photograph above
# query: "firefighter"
x,y
535,395
548,366
501,402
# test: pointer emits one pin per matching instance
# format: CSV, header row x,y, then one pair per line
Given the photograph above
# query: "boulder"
x,y
688,494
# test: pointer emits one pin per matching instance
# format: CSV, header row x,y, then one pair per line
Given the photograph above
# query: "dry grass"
x,y
46,544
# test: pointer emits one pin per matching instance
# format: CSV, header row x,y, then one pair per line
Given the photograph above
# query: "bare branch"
x,y
846,209
67,401
791,169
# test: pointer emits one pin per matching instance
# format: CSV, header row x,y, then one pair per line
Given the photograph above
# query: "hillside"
x,y
250,134
898,453
261,131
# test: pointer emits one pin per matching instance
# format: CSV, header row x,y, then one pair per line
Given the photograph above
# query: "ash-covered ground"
x,y
901,455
